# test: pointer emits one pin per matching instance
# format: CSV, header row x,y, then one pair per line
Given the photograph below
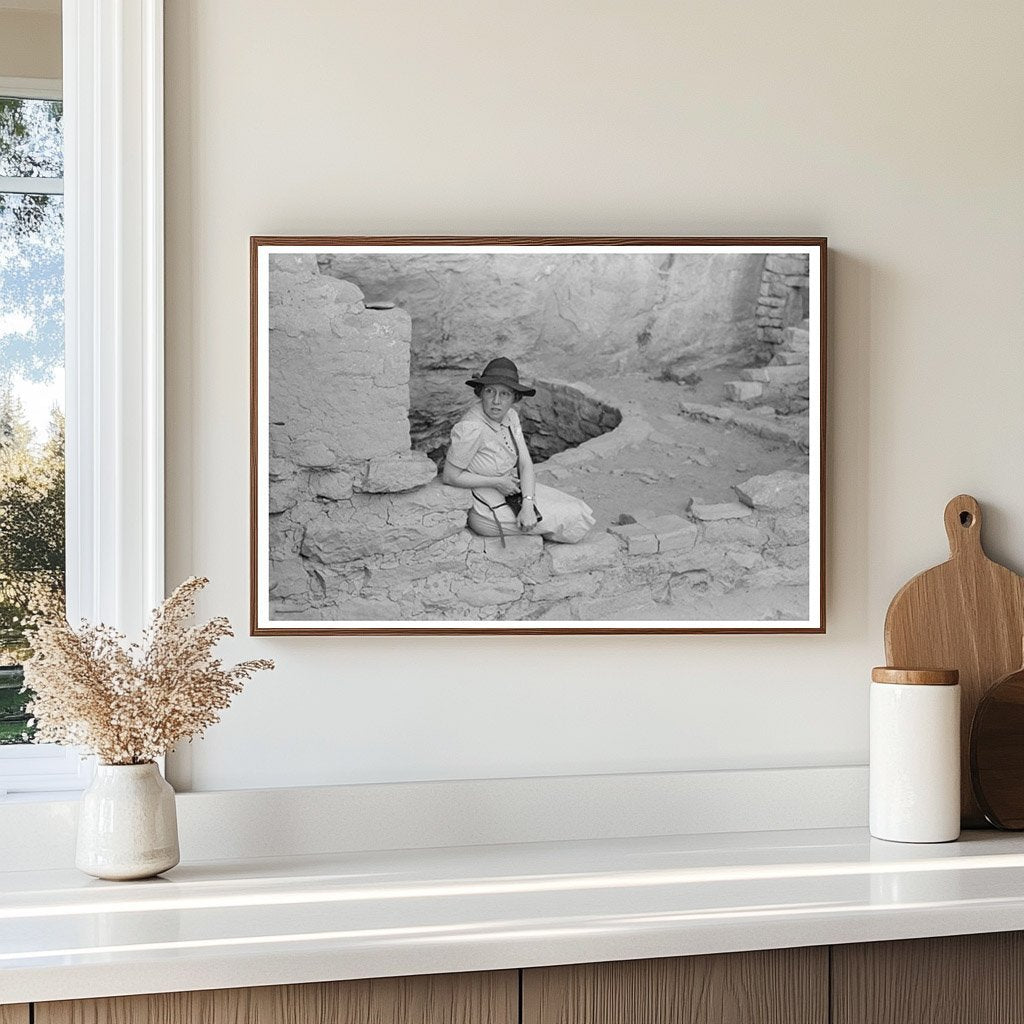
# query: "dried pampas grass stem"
x,y
129,703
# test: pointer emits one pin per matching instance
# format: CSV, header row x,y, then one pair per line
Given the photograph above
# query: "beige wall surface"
x,y
894,129
29,44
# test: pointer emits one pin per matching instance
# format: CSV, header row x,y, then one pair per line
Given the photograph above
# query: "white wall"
x,y
895,129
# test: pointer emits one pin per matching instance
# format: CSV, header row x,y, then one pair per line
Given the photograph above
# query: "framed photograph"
x,y
537,435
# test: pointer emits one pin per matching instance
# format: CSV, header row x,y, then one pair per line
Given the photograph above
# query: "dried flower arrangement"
x,y
130,703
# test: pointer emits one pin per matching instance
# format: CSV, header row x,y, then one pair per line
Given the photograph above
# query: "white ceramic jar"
x,y
127,823
915,755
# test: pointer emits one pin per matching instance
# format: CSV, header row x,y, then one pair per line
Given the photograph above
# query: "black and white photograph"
x,y
537,435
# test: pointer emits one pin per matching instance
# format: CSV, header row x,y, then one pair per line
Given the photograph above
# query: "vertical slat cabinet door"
x,y
775,986
14,1014
480,998
165,1008
959,979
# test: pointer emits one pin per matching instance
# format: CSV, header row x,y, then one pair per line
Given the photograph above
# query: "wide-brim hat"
x,y
502,371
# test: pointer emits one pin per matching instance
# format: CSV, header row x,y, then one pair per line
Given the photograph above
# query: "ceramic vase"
x,y
127,825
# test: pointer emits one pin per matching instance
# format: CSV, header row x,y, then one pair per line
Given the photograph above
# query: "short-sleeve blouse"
x,y
481,446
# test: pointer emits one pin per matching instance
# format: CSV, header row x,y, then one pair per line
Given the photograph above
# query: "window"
x,y
32,535
113,331
31,382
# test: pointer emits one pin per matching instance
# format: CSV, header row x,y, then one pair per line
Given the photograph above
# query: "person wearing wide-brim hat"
x,y
504,372
489,455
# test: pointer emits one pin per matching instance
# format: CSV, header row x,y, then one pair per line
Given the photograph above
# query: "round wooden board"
x,y
997,752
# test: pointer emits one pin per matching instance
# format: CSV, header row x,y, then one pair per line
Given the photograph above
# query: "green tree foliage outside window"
x,y
32,544
31,548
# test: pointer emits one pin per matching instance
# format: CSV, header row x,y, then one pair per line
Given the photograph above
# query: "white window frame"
x,y
114,265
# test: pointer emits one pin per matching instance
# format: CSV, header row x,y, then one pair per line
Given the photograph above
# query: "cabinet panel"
x,y
960,979
481,998
777,986
14,1014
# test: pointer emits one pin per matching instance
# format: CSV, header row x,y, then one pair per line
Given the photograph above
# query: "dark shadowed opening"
x,y
558,417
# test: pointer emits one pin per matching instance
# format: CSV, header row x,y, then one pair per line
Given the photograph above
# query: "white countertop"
x,y
225,924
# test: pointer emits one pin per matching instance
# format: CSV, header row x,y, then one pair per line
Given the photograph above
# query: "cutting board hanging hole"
x,y
963,526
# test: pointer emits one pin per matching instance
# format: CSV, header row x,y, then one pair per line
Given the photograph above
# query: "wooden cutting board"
x,y
967,614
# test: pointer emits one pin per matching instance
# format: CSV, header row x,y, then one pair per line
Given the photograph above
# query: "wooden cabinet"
x,y
967,979
776,986
962,979
491,998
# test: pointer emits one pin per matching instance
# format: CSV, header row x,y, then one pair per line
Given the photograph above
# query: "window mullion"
x,y
32,186
113,114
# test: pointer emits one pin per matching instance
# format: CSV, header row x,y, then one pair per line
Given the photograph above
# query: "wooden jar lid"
x,y
916,676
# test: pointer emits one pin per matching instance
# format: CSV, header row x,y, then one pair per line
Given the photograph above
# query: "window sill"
x,y
38,831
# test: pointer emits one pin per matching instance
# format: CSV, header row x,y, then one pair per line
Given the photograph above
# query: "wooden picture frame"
x,y
679,397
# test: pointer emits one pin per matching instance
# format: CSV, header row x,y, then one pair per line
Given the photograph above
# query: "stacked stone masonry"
x,y
343,479
447,573
783,299
759,542
563,415
783,386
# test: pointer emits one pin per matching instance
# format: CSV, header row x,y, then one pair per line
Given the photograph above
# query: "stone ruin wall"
x,y
782,298
563,415
345,486
607,312
780,381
